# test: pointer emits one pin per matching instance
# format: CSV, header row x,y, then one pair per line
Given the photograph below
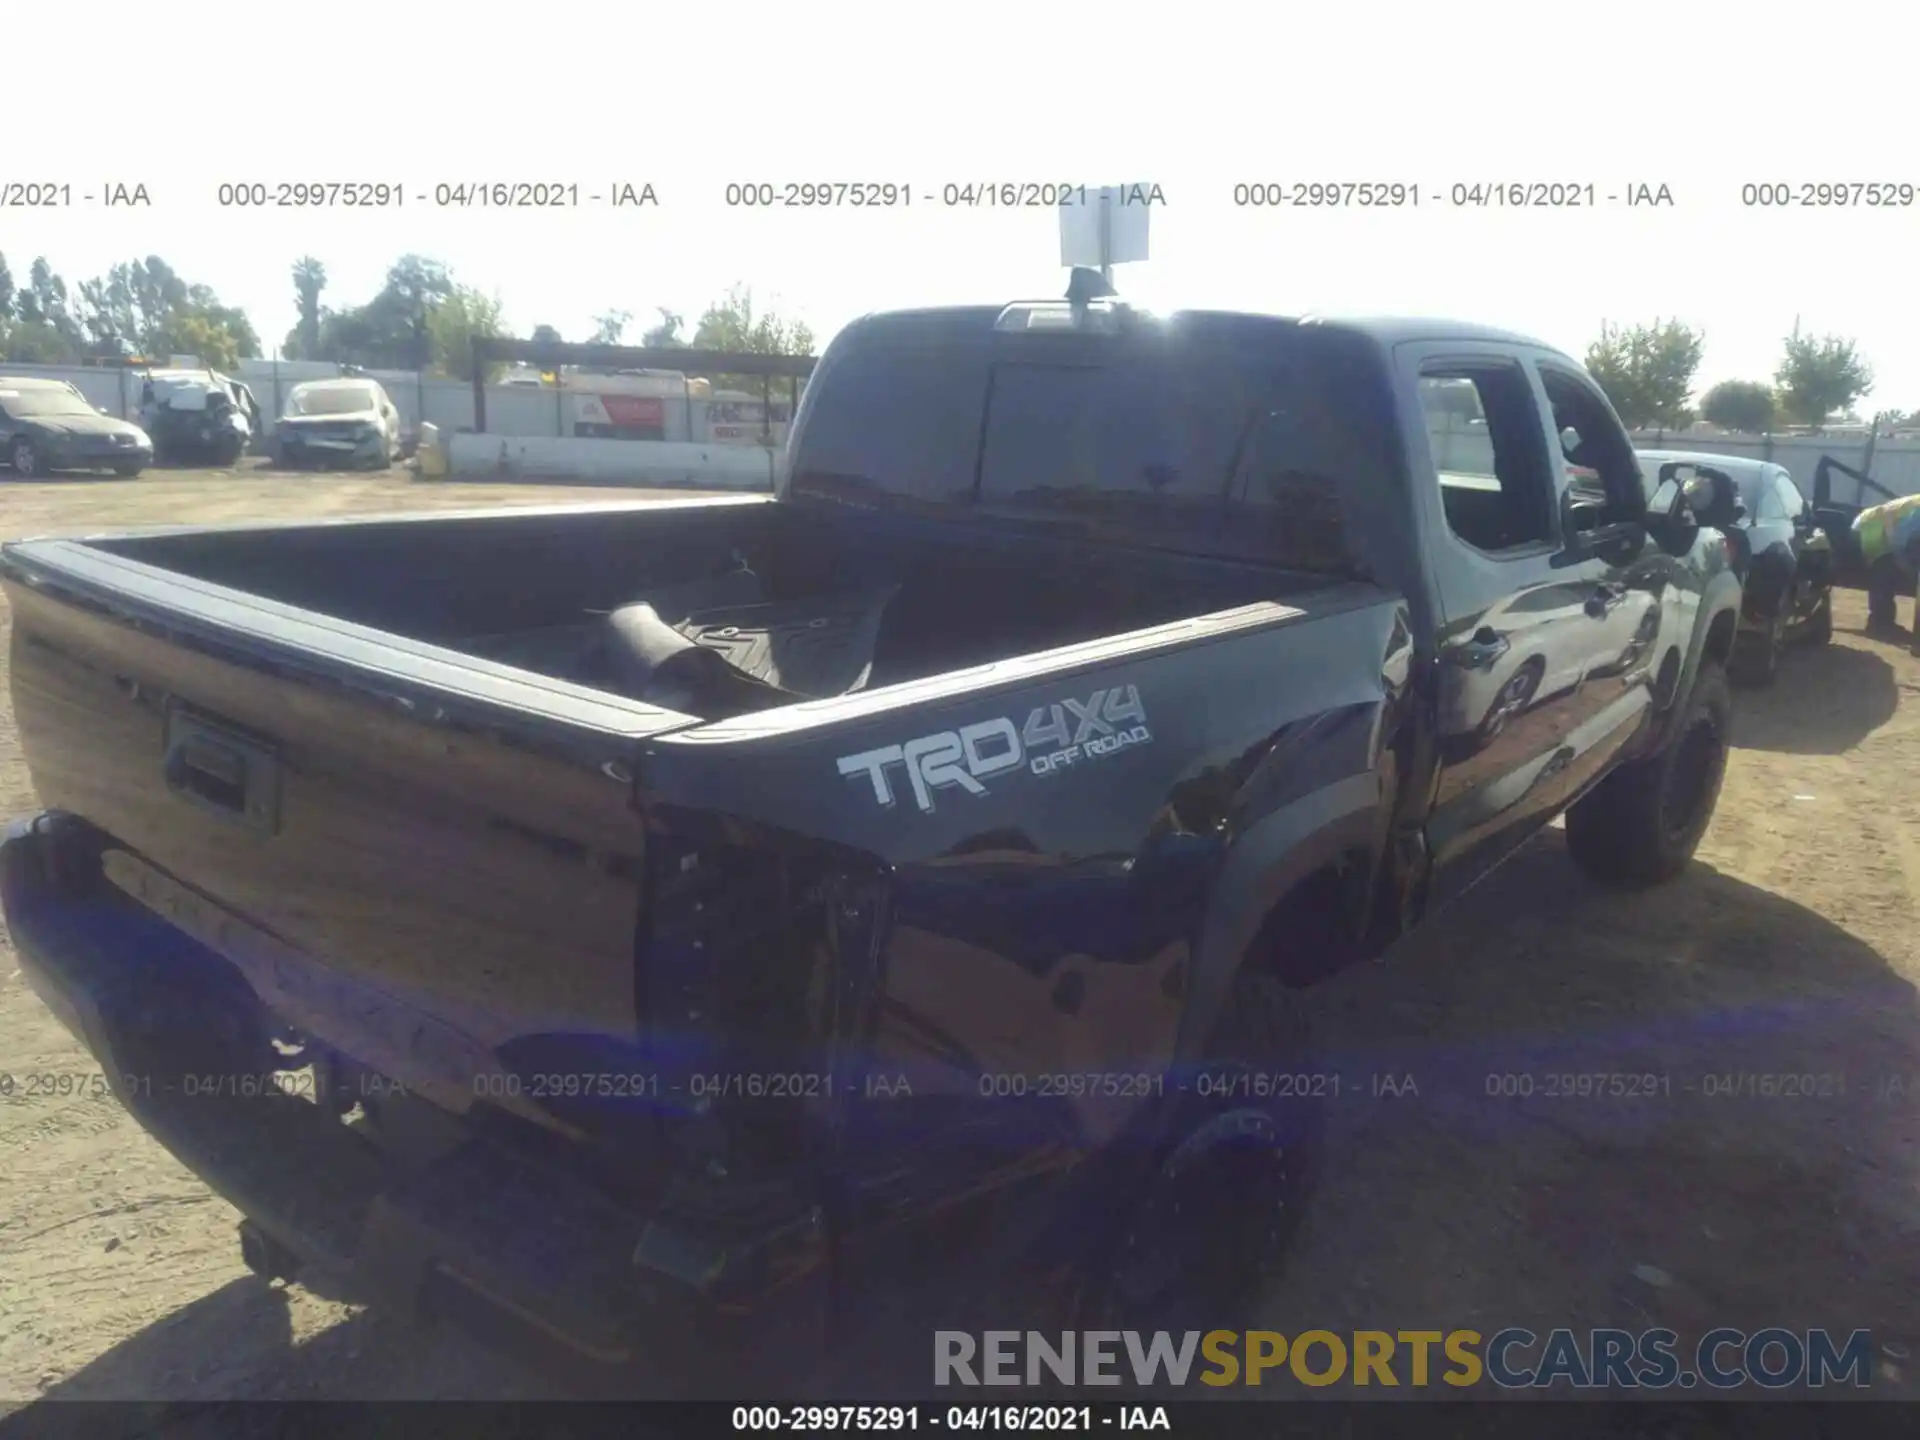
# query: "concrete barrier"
x,y
609,462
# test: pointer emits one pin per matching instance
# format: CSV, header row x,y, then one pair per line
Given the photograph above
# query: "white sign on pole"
x,y
1110,228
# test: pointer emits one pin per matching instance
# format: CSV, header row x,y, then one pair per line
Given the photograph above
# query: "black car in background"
x,y
48,425
1784,558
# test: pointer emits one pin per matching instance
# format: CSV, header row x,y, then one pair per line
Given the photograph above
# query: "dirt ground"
x,y
1791,949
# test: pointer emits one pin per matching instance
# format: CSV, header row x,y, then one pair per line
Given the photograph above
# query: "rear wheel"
x,y
1641,824
1195,1240
24,458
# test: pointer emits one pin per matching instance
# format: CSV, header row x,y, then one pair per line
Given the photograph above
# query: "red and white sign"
x,y
635,411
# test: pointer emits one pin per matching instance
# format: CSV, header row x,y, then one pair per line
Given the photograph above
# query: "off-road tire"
x,y
1641,825
1210,1220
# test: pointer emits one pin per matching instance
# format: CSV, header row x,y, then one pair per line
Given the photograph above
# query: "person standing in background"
x,y
1889,538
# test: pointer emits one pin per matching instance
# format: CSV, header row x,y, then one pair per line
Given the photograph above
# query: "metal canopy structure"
x,y
549,355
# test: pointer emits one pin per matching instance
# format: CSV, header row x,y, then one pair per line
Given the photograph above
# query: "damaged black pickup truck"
x,y
645,931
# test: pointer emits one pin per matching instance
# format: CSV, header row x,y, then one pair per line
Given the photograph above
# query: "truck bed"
x,y
392,746
531,589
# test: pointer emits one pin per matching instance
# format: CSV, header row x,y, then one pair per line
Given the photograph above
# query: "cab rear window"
x,y
1208,444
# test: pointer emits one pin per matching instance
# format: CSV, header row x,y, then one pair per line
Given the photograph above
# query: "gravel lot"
x,y
1791,948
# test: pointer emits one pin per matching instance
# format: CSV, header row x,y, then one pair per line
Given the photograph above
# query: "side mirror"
x,y
1709,496
1698,492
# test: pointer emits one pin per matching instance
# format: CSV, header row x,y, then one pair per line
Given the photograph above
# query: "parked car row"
x,y
193,417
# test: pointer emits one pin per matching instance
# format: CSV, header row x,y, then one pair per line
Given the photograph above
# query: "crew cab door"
x,y
1530,501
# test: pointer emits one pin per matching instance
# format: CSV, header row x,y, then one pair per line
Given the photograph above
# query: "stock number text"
x,y
310,194
1830,194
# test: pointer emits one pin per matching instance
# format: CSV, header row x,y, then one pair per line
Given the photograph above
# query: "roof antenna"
x,y
1085,286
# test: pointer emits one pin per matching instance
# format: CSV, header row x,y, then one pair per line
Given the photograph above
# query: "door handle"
x,y
1605,598
1479,653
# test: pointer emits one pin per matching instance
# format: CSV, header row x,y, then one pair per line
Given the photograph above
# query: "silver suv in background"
x,y
349,421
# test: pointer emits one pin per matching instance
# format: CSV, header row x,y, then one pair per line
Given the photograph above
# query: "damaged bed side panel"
x,y
1012,867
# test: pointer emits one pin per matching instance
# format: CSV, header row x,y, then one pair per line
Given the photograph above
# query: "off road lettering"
x,y
1055,737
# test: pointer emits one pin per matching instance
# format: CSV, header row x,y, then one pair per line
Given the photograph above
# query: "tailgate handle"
x,y
223,774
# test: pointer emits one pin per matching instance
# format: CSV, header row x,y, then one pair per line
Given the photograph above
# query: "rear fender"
x,y
1266,862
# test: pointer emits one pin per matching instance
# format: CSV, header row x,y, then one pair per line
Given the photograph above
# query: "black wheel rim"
x,y
1199,1235
1693,778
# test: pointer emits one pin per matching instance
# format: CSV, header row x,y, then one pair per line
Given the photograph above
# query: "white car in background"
x,y
349,420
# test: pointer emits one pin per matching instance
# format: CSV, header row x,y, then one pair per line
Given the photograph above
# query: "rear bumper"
x,y
526,1256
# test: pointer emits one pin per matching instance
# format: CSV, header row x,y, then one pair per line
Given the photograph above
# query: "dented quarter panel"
x,y
1049,926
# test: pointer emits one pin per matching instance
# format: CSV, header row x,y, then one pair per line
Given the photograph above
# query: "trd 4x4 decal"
x,y
1054,738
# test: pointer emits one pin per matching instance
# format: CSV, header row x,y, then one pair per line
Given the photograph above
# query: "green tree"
x,y
609,327
38,325
1820,377
194,332
394,330
1647,370
545,335
34,342
733,324
309,282
6,291
144,307
43,300
665,335
455,321
1744,405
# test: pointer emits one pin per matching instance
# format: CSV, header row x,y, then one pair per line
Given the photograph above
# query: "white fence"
x,y
513,410
620,462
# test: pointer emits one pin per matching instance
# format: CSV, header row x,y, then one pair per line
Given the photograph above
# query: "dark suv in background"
x,y
1784,558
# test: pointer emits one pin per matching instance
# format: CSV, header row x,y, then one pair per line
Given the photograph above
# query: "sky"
x,y
1195,98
